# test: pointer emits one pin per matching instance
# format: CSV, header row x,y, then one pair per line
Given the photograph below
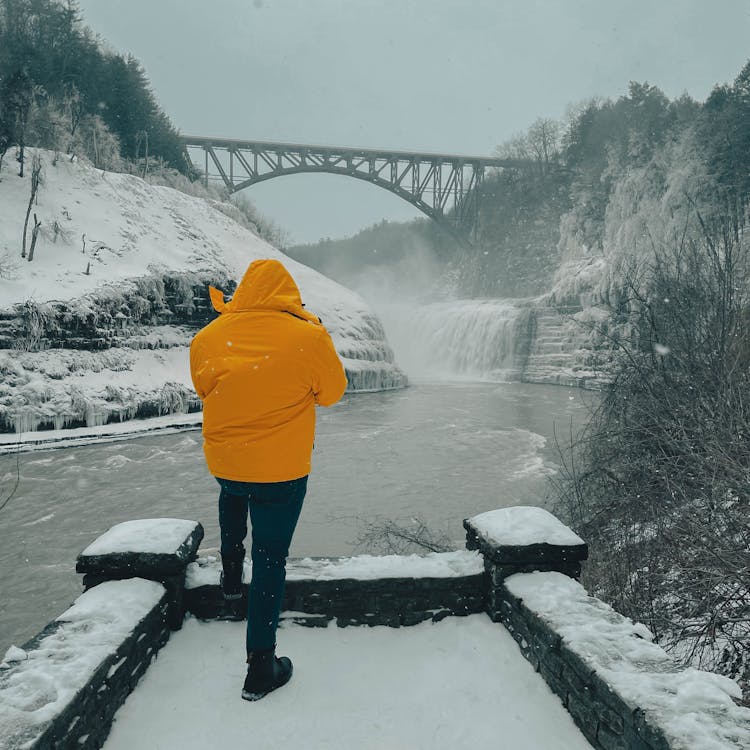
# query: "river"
x,y
439,452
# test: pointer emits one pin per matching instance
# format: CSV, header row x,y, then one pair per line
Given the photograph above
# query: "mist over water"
x,y
436,335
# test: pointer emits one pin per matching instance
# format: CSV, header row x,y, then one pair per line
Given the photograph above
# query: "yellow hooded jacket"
x,y
259,369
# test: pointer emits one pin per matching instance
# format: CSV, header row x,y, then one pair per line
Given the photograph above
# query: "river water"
x,y
440,452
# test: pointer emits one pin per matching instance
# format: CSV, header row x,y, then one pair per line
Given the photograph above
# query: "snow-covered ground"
x,y
460,683
105,236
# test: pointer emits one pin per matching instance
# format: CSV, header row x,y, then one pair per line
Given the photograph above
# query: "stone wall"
x,y
606,718
109,674
315,601
621,690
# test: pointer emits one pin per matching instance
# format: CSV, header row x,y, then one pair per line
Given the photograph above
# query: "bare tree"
x,y
390,537
34,235
75,110
36,181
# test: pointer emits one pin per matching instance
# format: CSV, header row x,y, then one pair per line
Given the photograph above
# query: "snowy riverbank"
x,y
97,327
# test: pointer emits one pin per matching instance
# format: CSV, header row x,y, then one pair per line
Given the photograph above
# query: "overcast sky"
x,y
435,75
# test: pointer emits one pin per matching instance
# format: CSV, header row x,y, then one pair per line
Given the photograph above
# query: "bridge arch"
x,y
444,187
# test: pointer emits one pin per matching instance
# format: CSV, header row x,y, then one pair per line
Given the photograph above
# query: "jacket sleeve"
x,y
198,369
329,377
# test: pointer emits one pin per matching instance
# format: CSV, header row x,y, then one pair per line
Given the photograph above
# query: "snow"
x,y
129,230
133,228
13,654
116,380
457,684
694,708
205,572
115,603
34,690
46,439
521,526
152,535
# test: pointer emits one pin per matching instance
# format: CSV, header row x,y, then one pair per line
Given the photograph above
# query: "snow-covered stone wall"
x,y
623,691
63,688
364,590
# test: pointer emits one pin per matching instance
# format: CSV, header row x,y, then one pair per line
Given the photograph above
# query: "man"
x,y
260,368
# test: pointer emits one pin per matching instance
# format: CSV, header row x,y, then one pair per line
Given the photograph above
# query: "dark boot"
x,y
231,579
265,672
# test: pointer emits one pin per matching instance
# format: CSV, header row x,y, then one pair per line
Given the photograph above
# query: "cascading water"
x,y
475,339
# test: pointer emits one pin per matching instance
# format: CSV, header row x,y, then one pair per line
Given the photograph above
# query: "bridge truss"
x,y
445,187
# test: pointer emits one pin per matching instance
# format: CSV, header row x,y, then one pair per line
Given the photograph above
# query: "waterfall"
x,y
477,339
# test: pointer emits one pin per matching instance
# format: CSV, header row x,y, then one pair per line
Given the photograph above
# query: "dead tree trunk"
x,y
36,176
34,233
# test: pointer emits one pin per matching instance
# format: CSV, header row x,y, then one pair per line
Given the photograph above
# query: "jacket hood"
x,y
266,285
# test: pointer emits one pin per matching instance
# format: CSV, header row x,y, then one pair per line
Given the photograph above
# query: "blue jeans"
x,y
274,509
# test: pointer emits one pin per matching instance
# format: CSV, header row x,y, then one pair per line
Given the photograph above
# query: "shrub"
x,y
658,483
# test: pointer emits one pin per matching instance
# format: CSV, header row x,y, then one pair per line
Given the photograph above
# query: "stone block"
x,y
634,741
573,679
441,614
520,536
544,634
574,662
147,548
648,732
415,617
305,619
583,715
610,698
609,740
549,658
555,682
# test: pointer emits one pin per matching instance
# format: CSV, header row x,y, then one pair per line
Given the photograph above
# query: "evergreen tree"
x,y
47,41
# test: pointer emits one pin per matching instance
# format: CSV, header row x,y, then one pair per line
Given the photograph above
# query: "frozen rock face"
x,y
367,355
97,328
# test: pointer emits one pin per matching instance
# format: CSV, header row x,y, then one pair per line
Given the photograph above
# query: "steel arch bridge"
x,y
445,187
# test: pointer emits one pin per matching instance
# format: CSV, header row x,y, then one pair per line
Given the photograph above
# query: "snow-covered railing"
x,y
623,691
63,687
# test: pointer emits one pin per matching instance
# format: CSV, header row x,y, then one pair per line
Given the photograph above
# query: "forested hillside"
x,y
62,89
614,177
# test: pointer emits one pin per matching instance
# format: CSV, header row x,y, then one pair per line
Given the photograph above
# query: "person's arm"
x,y
329,377
198,369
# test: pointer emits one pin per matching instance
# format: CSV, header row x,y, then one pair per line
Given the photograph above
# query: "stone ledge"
x,y
392,601
79,670
434,565
153,548
522,535
624,692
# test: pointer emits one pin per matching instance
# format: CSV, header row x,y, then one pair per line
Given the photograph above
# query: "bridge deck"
x,y
367,153
456,684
